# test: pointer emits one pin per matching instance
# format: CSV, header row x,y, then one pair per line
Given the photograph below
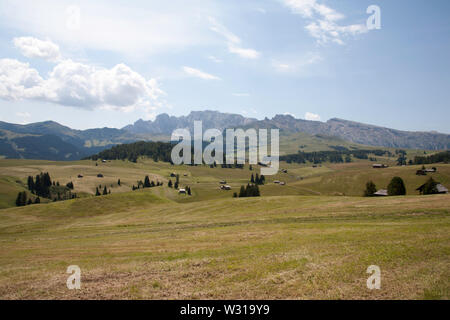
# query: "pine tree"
x,y
189,190
19,199
23,198
38,200
169,184
252,179
105,191
370,189
118,182
97,193
176,185
30,183
242,192
29,201
147,182
235,195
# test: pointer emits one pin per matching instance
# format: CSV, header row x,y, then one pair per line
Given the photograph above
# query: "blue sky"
x,y
89,65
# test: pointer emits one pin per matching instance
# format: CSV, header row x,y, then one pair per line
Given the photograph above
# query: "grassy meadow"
x,y
310,239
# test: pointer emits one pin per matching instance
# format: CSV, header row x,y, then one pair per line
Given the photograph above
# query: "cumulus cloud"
x,y
312,116
76,84
199,74
233,41
18,80
323,21
34,48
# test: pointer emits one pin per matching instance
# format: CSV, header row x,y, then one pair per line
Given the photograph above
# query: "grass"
x,y
311,239
138,245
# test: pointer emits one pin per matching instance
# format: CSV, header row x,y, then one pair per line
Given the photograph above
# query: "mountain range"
x,y
52,141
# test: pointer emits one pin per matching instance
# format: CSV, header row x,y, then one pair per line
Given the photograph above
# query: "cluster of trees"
x,y
23,200
158,151
395,188
401,160
40,186
105,191
435,158
251,190
337,156
258,180
176,184
146,184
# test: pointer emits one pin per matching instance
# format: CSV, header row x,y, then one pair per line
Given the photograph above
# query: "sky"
x,y
96,64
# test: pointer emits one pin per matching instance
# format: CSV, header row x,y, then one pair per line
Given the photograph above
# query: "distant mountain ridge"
x,y
165,124
348,130
50,140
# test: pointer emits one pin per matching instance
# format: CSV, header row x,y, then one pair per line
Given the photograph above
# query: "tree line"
x,y
434,158
251,190
146,184
340,155
158,151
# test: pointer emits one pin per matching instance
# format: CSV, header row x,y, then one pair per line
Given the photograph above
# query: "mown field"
x,y
310,239
138,245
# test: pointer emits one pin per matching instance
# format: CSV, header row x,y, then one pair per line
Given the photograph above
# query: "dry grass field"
x,y
305,240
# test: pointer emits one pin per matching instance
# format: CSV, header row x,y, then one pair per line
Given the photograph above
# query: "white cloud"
x,y
80,85
296,64
147,28
289,114
233,41
312,116
244,53
323,24
34,48
199,74
18,80
215,59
